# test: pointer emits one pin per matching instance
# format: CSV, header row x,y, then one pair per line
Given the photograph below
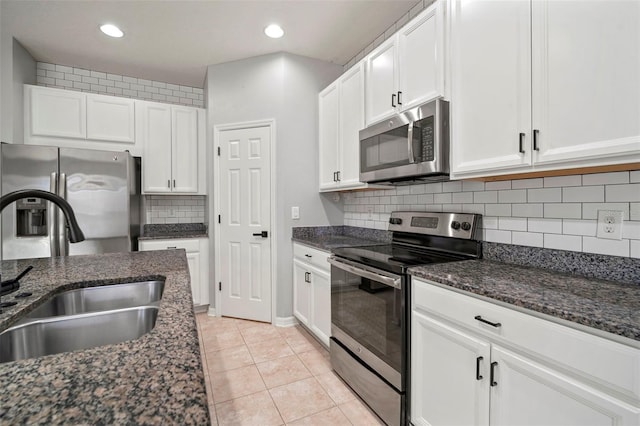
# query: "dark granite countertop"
x,y
607,306
330,237
173,230
156,379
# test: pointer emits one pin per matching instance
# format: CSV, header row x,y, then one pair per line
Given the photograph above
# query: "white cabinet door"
x,y
329,137
301,292
156,160
110,118
58,113
491,86
381,82
586,81
194,272
351,122
527,393
320,322
421,58
184,149
449,374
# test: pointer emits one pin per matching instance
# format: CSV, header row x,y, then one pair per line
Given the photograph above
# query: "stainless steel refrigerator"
x,y
103,188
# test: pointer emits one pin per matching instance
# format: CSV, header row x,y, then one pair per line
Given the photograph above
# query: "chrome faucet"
x,y
75,233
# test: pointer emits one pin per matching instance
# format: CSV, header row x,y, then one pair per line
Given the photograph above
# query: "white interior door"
x,y
245,210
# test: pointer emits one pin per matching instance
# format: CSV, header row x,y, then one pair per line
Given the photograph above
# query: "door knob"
x,y
263,234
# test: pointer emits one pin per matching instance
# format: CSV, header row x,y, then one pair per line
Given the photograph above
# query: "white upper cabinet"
x,y
110,118
328,136
184,149
173,159
586,80
56,112
543,85
72,119
341,107
407,69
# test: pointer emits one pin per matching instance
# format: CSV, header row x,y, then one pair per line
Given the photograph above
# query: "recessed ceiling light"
x,y
111,30
274,31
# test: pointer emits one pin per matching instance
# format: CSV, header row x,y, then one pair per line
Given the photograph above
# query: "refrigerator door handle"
x,y
63,241
52,215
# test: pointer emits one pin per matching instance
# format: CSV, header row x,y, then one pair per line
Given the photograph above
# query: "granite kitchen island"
x,y
156,379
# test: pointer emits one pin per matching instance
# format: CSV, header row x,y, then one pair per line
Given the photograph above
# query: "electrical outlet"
x,y
370,213
171,212
295,212
610,224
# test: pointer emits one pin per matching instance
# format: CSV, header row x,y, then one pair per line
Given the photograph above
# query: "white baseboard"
x,y
285,321
212,311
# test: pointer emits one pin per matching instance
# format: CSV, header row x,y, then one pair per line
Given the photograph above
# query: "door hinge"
x,y
219,220
218,151
220,286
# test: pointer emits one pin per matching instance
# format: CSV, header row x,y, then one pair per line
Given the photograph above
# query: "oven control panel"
x,y
457,225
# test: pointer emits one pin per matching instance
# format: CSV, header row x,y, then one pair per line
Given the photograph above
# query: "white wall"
x,y
551,212
283,87
18,68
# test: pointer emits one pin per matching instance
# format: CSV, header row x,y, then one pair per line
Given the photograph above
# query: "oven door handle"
x,y
391,280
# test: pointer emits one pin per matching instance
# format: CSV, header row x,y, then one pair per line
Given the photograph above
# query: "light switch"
x,y
295,212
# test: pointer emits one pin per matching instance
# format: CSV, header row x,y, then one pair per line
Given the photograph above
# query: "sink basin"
x,y
94,299
69,333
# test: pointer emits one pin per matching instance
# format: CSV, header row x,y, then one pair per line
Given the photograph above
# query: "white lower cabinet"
x,y
465,371
197,257
312,290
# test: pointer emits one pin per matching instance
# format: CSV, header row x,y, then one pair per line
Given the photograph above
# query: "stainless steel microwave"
x,y
408,148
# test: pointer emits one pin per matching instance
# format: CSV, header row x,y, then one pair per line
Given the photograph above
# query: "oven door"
x,y
368,316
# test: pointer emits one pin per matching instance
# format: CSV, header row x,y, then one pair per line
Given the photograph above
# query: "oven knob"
x,y
455,225
395,221
466,226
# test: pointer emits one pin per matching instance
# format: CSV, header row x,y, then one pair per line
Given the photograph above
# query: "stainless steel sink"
x,y
69,333
94,299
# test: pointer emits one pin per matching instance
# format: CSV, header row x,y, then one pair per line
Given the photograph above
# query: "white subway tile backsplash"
x,y
527,239
634,176
485,197
527,183
512,223
497,236
463,197
544,195
579,227
503,184
497,209
563,242
604,246
417,189
527,210
433,188
473,208
547,226
66,77
630,192
605,178
444,198
454,186
590,210
634,211
583,194
471,185
422,199
490,222
631,230
634,249
512,196
563,210
556,181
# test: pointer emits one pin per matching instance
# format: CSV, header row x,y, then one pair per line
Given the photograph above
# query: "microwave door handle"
x,y
412,158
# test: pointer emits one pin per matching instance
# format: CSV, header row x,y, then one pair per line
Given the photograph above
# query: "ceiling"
x,y
174,41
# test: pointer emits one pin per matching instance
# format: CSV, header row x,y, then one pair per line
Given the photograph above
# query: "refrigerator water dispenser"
x,y
31,218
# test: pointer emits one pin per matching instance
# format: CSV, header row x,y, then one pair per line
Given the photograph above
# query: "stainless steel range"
x,y
370,303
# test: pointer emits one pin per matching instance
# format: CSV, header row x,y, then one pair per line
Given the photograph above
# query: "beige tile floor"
x,y
259,374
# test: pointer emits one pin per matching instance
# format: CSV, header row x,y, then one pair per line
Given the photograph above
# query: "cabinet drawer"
x,y
190,245
312,256
600,361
